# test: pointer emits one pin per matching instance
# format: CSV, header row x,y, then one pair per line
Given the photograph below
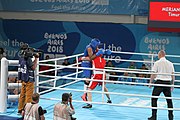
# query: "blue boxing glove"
x,y
108,52
100,52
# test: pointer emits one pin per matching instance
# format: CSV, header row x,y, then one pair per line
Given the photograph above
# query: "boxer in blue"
x,y
90,52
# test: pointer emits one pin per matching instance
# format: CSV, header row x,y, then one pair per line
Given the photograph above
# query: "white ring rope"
x,y
122,94
78,69
108,70
114,93
121,105
65,76
62,58
145,54
60,67
137,78
109,81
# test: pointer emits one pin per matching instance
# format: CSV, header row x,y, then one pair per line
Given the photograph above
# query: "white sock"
x,y
85,87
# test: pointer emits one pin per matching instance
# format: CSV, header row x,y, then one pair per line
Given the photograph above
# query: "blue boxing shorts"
x,y
86,73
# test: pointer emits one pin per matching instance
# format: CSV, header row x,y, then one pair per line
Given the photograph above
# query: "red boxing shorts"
x,y
93,84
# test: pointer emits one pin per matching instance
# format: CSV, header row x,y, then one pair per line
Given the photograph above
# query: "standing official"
x,y
164,68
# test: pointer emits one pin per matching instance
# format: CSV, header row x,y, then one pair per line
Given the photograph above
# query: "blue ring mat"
x,y
106,112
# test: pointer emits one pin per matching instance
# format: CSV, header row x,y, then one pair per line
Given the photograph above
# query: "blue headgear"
x,y
95,42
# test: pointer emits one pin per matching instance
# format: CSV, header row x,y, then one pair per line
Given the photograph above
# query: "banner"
x,y
165,11
164,16
58,39
131,7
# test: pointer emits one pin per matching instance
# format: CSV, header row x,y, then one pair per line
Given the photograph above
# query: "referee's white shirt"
x,y
163,66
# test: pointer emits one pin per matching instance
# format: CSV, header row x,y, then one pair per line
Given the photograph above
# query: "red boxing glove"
x,y
80,59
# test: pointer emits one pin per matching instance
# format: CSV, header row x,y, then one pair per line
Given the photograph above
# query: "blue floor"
x,y
109,112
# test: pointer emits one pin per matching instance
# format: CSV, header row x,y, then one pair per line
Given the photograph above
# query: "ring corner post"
x,y
3,85
37,77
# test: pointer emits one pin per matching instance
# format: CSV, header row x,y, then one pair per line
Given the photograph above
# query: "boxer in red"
x,y
98,63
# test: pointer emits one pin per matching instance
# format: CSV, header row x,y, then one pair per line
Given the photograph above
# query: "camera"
x,y
72,118
1,50
44,111
27,51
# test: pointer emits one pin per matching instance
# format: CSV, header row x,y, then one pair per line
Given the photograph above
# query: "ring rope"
x,y
84,79
114,93
120,70
145,54
121,105
108,70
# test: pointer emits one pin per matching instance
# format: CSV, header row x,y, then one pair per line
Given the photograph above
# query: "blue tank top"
x,y
86,52
25,73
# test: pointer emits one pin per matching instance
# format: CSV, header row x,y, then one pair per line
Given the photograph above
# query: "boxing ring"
x,y
130,95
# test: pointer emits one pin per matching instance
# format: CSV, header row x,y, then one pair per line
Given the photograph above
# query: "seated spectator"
x,y
143,75
66,62
64,110
13,91
110,65
42,68
129,74
66,71
143,68
75,62
132,66
11,80
126,78
32,111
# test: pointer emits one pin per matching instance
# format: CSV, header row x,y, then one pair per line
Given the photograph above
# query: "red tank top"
x,y
99,63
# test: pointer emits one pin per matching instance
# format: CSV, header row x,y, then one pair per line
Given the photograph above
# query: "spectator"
x,y
132,66
2,53
45,67
126,78
11,80
76,63
110,66
143,75
143,68
13,91
32,110
66,62
63,111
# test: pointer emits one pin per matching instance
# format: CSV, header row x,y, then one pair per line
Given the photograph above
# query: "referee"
x,y
160,67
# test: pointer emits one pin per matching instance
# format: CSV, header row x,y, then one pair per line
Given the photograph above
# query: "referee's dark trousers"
x,y
167,93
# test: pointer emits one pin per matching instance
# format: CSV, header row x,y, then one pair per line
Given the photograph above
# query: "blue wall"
x,y
56,38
